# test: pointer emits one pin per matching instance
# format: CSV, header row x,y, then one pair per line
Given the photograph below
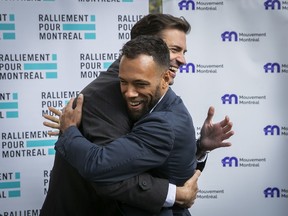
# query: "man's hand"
x,y
186,195
213,135
54,121
70,116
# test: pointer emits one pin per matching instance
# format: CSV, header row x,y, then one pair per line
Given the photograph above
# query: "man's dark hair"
x,y
154,24
148,45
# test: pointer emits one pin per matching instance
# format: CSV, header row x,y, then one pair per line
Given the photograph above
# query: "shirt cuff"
x,y
171,196
202,158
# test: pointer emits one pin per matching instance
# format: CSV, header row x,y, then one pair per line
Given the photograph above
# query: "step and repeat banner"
x,y
236,61
49,51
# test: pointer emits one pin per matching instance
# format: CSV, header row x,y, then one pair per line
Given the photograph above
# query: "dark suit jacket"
x,y
162,142
104,119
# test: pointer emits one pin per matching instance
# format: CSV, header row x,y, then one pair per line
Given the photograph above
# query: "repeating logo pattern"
x,y
23,144
10,185
67,27
9,105
7,27
28,66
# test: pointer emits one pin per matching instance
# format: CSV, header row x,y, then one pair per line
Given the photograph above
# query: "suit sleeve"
x,y
104,122
136,191
146,147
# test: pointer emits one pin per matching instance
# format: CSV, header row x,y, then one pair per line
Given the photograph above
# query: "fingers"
x,y
194,178
226,124
225,144
51,125
227,127
197,174
55,111
53,133
79,103
227,135
54,126
69,105
210,113
51,118
67,117
54,121
80,100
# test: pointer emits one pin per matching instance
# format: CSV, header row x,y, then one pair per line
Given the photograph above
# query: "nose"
x,y
181,59
130,91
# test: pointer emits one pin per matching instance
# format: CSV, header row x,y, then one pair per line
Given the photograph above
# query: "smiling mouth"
x,y
173,71
134,103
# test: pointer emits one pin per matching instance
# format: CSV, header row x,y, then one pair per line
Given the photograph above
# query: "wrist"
x,y
201,152
180,197
199,147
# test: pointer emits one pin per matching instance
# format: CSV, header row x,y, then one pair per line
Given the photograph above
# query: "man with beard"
x,y
162,140
105,119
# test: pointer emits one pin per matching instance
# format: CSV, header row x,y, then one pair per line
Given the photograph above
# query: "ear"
x,y
166,79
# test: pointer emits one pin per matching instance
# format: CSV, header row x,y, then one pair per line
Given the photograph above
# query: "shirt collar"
x,y
157,103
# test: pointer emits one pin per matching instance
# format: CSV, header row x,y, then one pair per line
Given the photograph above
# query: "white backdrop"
x,y
233,49
49,51
236,61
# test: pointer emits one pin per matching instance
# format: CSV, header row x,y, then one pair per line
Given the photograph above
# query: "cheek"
x,y
172,57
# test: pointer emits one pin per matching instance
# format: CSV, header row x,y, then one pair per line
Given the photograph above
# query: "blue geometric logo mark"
x,y
187,67
272,4
271,192
270,129
272,67
230,36
229,98
230,161
186,5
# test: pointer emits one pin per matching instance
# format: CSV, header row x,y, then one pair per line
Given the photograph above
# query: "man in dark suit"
x,y
102,111
158,142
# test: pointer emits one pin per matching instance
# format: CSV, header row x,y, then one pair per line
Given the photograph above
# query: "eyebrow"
x,y
178,47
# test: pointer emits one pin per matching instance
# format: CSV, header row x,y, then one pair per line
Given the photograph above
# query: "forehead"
x,y
141,66
174,37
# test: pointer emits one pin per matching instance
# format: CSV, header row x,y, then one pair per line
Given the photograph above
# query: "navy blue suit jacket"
x,y
104,119
162,142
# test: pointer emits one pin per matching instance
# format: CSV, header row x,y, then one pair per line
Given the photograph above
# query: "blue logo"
x,y
28,66
10,185
230,98
50,68
271,192
7,27
26,144
187,67
67,27
231,161
230,36
272,67
9,105
272,4
186,5
270,129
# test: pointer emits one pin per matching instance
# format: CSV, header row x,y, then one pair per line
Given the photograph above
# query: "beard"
x,y
148,105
